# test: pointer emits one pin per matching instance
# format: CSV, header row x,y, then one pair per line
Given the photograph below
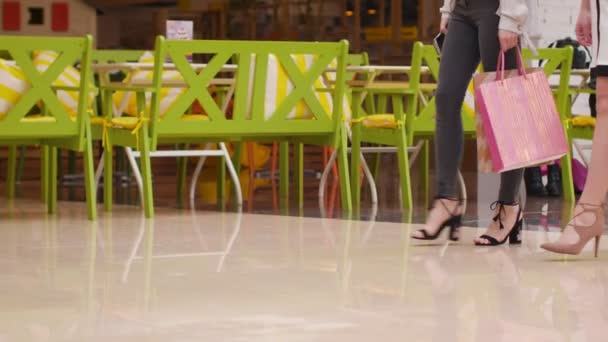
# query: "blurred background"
x,y
385,29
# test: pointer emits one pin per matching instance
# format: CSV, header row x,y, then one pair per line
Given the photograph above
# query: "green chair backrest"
x,y
115,56
248,114
42,93
420,56
424,123
356,59
554,60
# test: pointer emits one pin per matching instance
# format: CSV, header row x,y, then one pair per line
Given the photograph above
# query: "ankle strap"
x,y
501,209
502,204
453,212
459,200
591,207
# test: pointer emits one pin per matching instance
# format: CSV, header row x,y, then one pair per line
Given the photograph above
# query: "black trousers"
x,y
472,37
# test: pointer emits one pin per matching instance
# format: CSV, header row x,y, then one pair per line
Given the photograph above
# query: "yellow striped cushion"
x,y
70,77
126,102
13,84
279,86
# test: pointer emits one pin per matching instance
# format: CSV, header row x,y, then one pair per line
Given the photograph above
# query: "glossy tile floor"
x,y
211,276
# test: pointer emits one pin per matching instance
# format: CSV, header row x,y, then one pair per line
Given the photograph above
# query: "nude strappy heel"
x,y
585,233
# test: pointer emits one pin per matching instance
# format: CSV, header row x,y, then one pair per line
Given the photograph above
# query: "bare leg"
x,y
597,182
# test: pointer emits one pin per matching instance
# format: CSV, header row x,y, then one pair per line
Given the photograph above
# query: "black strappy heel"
x,y
514,235
453,223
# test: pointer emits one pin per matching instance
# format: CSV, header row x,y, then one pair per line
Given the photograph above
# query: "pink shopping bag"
x,y
518,124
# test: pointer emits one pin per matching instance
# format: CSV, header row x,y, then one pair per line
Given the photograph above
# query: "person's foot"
x,y
506,219
586,223
534,182
554,183
442,211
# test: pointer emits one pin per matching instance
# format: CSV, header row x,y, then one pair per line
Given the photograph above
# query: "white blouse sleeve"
x,y
513,15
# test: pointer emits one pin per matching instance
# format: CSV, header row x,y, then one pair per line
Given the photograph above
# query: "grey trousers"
x,y
472,36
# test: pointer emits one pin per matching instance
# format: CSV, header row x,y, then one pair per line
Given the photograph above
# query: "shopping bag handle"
x,y
500,68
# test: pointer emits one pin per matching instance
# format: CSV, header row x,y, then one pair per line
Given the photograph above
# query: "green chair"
x,y
398,134
39,118
106,57
369,107
180,151
248,122
558,61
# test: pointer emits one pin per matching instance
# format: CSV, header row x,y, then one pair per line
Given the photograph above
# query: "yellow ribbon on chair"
x,y
134,124
137,128
104,123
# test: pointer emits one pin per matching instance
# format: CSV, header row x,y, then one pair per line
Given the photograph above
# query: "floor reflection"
x,y
240,277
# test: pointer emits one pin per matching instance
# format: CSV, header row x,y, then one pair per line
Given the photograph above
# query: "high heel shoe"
x,y
585,233
453,223
514,235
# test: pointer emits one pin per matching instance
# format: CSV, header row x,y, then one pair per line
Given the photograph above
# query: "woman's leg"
x,y
596,186
589,217
597,182
510,180
459,58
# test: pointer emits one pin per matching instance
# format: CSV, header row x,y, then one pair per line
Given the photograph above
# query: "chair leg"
x,y
146,172
404,172
196,174
11,178
221,183
346,199
370,180
99,170
237,155
108,181
236,162
52,185
134,167
284,174
44,174
568,178
21,163
329,164
232,170
251,186
299,173
273,178
71,170
182,175
355,167
89,178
